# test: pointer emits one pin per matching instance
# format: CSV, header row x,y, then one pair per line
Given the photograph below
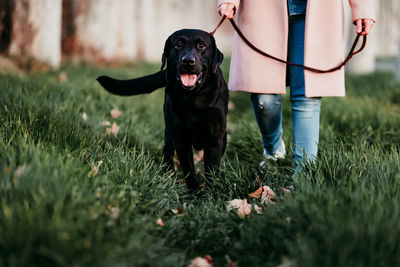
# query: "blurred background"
x,y
40,34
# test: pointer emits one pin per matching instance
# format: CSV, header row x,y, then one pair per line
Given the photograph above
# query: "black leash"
x,y
349,56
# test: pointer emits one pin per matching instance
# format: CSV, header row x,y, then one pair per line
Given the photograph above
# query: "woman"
x,y
306,32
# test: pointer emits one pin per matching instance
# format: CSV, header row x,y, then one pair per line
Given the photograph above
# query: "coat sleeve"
x,y
362,9
236,3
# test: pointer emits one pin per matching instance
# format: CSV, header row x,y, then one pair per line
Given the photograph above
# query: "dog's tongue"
x,y
188,79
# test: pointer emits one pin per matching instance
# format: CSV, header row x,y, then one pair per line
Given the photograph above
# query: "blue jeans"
x,y
305,111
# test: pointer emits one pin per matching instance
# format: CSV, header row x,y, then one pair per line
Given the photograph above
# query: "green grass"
x,y
345,210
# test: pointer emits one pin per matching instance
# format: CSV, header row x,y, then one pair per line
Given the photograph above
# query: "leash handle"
x,y
351,53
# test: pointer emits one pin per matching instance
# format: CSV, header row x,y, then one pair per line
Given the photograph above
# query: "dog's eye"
x,y
201,46
179,45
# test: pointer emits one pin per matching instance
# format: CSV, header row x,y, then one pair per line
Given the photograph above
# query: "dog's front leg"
x,y
168,152
212,159
185,156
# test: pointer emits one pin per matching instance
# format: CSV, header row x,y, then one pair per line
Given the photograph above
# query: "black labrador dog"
x,y
196,100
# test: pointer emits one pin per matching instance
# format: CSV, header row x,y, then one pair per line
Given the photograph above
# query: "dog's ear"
x,y
167,48
217,59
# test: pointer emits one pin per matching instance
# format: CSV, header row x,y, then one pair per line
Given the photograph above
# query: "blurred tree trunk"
x,y
36,30
6,7
397,71
100,30
387,28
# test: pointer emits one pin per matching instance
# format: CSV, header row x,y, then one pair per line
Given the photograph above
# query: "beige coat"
x,y
265,24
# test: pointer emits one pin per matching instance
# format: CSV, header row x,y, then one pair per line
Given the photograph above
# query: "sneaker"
x,y
280,154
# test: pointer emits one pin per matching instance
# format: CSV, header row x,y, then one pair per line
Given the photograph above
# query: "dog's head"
x,y
191,55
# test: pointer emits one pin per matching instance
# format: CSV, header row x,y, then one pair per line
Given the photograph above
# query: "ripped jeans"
x,y
305,111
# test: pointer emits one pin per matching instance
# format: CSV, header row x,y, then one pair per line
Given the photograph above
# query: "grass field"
x,y
344,211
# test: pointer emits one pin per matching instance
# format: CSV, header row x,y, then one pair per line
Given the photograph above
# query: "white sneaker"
x,y
278,155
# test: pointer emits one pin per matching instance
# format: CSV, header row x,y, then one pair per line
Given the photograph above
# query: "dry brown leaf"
x,y
94,216
105,123
114,129
177,211
268,196
114,213
95,169
160,222
199,156
18,172
257,193
258,209
209,258
62,77
234,204
244,209
199,262
115,113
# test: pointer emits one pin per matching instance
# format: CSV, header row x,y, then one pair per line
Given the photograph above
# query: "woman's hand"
x,y
227,10
367,24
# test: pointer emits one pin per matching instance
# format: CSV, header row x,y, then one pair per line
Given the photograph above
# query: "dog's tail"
x,y
137,86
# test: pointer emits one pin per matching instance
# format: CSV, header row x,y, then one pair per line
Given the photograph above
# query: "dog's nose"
x,y
188,60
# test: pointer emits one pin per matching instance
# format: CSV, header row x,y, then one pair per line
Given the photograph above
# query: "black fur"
x,y
195,114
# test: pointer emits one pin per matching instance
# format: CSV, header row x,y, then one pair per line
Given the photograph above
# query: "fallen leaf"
x,y
114,213
62,77
95,169
177,211
115,113
199,156
95,216
244,209
258,209
257,193
234,204
209,258
199,262
105,123
93,172
84,116
18,172
268,196
160,222
114,129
